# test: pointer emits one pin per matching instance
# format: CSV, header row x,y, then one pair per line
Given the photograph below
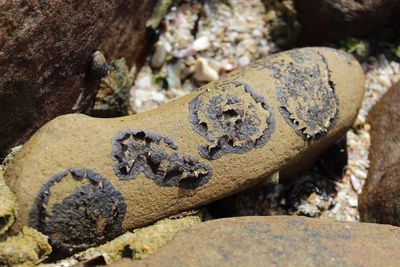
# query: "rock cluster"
x,y
99,164
45,57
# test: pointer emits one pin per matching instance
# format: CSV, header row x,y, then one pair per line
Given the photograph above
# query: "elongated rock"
x,y
280,241
82,180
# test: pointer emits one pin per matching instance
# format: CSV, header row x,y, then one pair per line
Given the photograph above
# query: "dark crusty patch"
x,y
158,158
77,209
232,117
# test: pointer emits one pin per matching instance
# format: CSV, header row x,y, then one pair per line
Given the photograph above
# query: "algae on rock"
x,y
112,99
8,203
28,248
135,245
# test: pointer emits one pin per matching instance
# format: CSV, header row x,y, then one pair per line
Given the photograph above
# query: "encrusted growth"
x,y
78,208
306,94
232,117
158,158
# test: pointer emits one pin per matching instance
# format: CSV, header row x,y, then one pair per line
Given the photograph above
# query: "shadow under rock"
x,y
308,194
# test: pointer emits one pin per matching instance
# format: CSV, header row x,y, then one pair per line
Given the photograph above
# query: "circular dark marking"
x,y
232,117
307,97
157,157
90,214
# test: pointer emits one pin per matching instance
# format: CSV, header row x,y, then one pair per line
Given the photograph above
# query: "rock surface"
x,y
225,137
133,245
28,248
45,51
280,241
8,202
338,19
380,199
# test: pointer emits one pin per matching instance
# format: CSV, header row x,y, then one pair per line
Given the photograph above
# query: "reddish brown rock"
x,y
337,19
127,172
280,241
380,200
45,50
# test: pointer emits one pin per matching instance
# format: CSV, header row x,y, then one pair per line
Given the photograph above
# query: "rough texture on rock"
x,y
7,206
337,19
91,214
112,99
380,199
45,52
174,175
133,245
28,248
280,241
8,202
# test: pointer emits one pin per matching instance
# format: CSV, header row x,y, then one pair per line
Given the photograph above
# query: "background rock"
x,y
380,200
133,245
45,49
280,241
337,19
28,248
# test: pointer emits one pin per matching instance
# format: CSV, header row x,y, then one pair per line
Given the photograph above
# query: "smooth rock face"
x,y
338,19
184,155
380,199
45,52
280,241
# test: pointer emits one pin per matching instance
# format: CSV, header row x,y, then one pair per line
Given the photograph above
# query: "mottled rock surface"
x,y
28,248
45,51
256,126
380,199
133,245
337,19
280,241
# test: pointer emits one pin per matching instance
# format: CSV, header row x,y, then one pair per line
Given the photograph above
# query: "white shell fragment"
x,y
203,72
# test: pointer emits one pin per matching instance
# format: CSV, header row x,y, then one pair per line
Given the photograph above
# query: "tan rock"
x,y
276,114
280,241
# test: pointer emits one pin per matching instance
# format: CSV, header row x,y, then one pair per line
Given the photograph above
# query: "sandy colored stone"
x,y
28,248
45,54
337,19
134,245
8,202
380,199
280,241
137,169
